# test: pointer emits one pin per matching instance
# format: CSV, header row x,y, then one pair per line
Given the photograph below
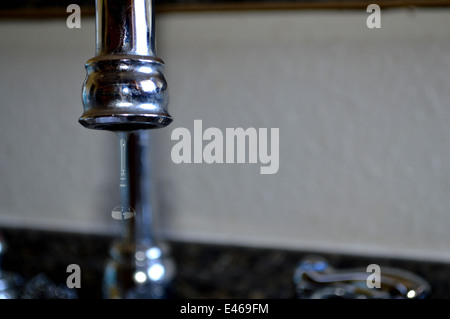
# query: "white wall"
x,y
364,118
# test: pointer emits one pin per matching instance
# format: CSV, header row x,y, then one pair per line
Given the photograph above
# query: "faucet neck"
x,y
125,27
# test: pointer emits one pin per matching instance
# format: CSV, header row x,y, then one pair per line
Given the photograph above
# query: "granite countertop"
x,y
203,271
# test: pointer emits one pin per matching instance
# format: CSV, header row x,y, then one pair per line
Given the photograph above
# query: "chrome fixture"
x,y
315,278
125,90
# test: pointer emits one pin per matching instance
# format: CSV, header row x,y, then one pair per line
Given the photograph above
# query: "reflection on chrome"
x,y
125,63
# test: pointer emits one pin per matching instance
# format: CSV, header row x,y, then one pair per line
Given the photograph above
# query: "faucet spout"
x,y
125,89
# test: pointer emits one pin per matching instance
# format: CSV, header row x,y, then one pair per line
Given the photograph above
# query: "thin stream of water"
x,y
124,213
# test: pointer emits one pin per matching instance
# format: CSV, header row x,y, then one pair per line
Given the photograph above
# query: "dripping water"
x,y
124,213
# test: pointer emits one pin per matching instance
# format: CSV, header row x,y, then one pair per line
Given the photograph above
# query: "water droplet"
x,y
123,212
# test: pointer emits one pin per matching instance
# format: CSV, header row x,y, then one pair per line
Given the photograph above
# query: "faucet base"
x,y
139,271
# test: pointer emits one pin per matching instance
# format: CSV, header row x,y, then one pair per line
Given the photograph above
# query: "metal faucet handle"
x,y
314,278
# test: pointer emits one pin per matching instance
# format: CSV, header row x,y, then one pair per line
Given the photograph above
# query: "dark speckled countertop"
x,y
203,271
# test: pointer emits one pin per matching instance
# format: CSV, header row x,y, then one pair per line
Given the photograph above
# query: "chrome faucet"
x,y
125,90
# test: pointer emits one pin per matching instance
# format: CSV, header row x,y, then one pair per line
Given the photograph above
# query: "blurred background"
x,y
363,116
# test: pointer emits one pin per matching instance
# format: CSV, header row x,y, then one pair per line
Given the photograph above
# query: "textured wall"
x,y
363,117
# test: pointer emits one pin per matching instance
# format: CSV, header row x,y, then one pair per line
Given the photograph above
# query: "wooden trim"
x,y
44,13
297,5
217,6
